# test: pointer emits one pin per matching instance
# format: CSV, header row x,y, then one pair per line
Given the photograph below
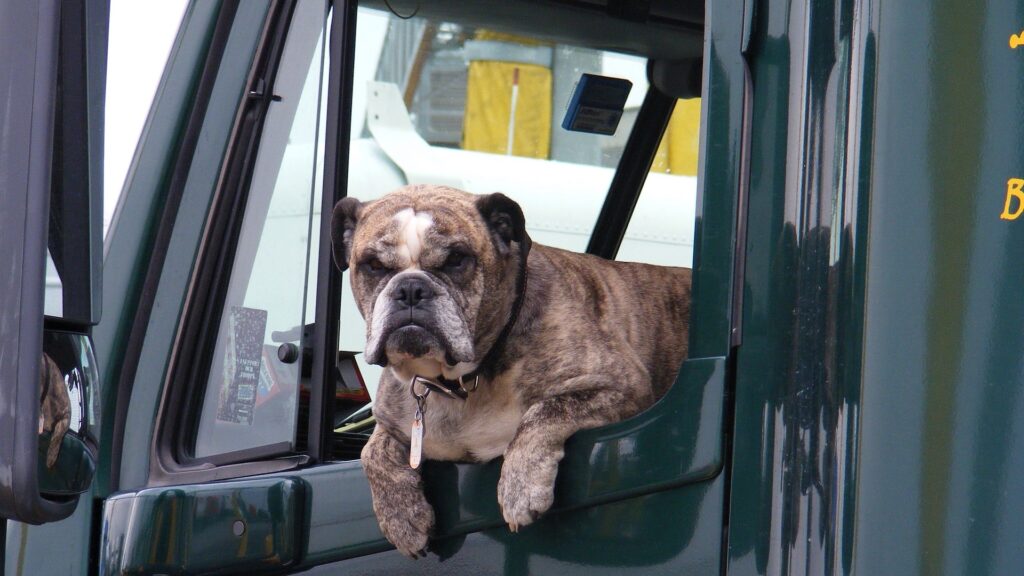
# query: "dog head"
x,y
433,271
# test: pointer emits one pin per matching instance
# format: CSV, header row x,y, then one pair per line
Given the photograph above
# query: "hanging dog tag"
x,y
416,441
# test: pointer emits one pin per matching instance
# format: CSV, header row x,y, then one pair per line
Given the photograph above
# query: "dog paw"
x,y
408,527
526,490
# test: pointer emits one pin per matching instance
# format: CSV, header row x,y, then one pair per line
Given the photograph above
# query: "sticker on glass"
x,y
242,365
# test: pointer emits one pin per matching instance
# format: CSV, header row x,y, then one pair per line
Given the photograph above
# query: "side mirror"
x,y
52,73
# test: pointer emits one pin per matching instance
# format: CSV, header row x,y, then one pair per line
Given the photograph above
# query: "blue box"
x,y
596,105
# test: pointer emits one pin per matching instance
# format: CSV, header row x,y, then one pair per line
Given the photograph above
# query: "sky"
x,y
141,35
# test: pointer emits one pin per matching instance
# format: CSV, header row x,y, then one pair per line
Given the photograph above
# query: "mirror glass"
x,y
67,414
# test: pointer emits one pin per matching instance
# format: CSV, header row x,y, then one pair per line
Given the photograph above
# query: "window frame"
x,y
194,345
327,318
236,230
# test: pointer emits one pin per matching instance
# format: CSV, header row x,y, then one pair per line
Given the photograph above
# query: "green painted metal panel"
x,y
647,535
941,464
676,442
720,175
131,233
798,367
251,526
893,449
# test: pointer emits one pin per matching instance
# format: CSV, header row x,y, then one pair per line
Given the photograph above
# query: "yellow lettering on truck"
x,y
1014,191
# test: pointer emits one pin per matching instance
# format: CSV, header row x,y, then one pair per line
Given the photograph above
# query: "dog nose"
x,y
412,291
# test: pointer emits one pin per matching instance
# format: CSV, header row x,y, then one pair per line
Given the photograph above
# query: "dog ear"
x,y
505,220
343,228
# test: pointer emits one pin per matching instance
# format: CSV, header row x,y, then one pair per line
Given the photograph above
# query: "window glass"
x,y
252,396
53,295
446,103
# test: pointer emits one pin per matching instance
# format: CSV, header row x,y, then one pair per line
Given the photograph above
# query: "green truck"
x,y
190,396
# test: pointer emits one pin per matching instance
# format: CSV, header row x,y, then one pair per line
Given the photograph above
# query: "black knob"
x,y
288,353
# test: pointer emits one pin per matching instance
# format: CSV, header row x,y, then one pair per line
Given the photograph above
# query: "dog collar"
x,y
450,388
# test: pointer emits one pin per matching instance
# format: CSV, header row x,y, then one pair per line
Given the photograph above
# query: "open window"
x,y
432,101
457,102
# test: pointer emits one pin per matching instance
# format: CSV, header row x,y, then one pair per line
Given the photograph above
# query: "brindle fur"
x,y
595,342
54,407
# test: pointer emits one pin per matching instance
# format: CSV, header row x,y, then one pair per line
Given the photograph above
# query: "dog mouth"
x,y
410,340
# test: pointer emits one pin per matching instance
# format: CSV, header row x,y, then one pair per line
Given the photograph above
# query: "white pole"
x,y
512,112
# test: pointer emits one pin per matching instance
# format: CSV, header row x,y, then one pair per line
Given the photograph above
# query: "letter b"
x,y
1014,190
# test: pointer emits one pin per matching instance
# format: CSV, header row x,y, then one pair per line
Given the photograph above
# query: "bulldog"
x,y
494,346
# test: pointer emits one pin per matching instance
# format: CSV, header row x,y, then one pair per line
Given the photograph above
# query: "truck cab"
x,y
186,394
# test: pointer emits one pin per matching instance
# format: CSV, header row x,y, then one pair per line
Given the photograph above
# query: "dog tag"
x,y
416,441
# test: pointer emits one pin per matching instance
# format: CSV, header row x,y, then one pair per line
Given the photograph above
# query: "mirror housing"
x,y
52,74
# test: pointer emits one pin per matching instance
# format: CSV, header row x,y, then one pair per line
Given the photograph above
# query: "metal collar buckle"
x,y
450,391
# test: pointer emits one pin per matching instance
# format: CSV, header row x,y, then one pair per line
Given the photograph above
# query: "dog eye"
x,y
455,260
375,266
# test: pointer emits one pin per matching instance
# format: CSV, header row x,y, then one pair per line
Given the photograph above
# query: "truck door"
x,y
241,396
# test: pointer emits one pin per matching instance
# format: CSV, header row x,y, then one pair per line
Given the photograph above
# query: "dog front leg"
x,y
405,517
527,483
